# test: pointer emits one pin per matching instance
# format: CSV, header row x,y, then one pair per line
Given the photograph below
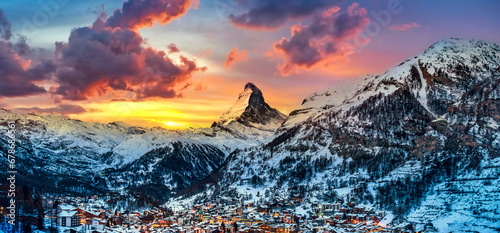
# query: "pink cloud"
x,y
112,56
322,39
172,48
234,56
136,14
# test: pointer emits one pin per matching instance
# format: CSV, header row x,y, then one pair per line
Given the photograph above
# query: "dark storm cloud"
x,y
112,56
322,38
271,14
17,75
98,59
16,78
108,56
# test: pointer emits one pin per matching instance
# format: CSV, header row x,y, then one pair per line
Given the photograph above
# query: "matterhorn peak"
x,y
252,86
251,108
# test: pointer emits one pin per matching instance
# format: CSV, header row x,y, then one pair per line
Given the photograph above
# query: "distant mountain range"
x,y
67,155
421,140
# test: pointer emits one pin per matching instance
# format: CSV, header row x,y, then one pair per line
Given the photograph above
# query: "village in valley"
x,y
231,215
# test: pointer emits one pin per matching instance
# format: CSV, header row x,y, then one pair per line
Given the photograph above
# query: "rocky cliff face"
x,y
251,116
251,108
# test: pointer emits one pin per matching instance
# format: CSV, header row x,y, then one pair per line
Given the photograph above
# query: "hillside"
x,y
420,140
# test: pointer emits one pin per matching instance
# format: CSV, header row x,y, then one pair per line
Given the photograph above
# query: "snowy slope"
x,y
444,56
420,140
430,119
238,108
251,116
83,155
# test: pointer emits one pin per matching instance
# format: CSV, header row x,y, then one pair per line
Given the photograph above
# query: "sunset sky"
x,y
182,63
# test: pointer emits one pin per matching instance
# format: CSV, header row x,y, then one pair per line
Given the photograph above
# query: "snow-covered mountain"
x,y
70,155
251,116
420,140
429,123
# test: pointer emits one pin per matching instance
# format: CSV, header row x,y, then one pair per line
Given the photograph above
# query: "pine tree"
x,y
26,227
235,225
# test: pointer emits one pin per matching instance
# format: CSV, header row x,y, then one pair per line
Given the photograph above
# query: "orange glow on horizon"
x,y
177,114
197,108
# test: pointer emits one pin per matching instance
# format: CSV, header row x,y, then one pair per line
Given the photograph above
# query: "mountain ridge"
x,y
417,127
69,152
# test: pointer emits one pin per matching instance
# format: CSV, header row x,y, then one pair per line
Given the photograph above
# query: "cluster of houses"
x,y
228,216
280,217
75,215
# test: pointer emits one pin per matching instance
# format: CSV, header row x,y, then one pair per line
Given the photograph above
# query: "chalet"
x,y
339,215
363,217
359,210
328,230
198,230
205,216
264,227
278,228
68,219
352,217
327,208
336,206
369,210
263,208
86,215
244,230
95,224
211,229
67,208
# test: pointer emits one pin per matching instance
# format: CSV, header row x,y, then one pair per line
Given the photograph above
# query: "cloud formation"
x,y
111,55
404,27
172,48
18,76
136,14
5,28
322,39
234,56
62,109
271,14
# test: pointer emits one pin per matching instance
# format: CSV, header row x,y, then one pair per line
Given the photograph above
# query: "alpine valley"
x,y
420,141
